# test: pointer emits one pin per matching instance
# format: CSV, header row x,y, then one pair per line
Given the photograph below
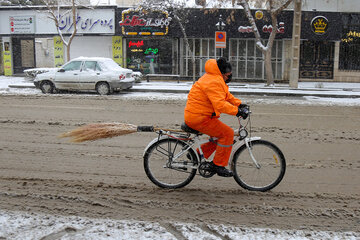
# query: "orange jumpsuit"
x,y
207,99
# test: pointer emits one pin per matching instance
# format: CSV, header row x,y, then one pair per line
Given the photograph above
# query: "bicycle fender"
x,y
238,144
151,143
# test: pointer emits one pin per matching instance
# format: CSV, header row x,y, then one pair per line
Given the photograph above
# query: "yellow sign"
x,y
58,52
259,15
7,59
350,36
117,50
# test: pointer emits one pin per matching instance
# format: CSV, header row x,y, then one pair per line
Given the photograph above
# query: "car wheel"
x,y
47,87
103,88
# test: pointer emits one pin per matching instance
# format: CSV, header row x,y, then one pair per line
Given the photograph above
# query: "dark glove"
x,y
243,105
243,111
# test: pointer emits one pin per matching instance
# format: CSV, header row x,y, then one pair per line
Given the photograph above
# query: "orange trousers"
x,y
214,128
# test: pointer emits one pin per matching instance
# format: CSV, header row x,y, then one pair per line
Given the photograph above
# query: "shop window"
x,y
350,42
203,49
248,61
349,56
150,56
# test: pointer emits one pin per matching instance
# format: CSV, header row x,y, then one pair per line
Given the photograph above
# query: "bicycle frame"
x,y
194,142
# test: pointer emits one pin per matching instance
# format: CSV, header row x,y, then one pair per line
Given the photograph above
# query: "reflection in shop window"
x,y
350,43
150,56
248,60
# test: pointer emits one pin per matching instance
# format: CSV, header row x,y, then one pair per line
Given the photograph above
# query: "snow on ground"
x,y
308,93
22,225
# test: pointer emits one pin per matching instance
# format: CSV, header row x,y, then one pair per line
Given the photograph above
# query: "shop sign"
x,y
319,25
350,36
265,28
117,50
259,15
22,24
140,22
84,23
220,39
58,52
152,51
136,44
7,59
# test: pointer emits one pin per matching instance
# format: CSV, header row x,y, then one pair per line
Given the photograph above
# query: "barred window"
x,y
349,57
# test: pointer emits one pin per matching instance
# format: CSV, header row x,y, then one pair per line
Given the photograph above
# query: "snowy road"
x,y
52,189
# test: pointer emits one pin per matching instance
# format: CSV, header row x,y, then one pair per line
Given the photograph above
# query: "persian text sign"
x,y
22,24
7,59
139,22
117,51
88,21
58,52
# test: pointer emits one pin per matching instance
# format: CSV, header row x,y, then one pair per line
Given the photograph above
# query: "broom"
x,y
97,131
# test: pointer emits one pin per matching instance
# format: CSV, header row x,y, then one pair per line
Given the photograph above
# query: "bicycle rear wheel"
x,y
262,177
166,165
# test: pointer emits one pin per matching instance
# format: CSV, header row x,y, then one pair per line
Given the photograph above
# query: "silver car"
x,y
103,75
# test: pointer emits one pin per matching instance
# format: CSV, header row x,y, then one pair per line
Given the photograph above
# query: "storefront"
x,y
240,49
320,31
149,46
30,39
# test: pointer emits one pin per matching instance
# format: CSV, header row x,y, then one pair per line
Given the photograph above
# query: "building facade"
x,y
153,42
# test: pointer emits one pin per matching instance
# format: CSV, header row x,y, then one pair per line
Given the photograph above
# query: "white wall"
x,y
331,5
91,46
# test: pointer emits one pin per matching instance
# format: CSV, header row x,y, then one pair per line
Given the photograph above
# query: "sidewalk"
x,y
317,89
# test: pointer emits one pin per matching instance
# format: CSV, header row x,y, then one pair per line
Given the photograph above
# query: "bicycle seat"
x,y
188,129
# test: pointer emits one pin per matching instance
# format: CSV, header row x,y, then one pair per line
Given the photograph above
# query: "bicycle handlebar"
x,y
244,112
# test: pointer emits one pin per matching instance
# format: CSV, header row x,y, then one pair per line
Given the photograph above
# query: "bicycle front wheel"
x,y
168,165
259,168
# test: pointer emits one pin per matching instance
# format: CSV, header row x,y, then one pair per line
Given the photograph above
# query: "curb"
x,y
247,92
240,92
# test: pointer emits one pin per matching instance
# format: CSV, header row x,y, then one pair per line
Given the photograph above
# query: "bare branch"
x,y
285,5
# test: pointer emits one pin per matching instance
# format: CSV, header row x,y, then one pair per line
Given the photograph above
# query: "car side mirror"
x,y
61,70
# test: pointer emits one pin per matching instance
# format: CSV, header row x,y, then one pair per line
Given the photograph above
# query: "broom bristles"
x,y
96,131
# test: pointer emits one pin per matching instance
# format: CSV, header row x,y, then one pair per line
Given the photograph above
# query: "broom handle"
x,y
153,129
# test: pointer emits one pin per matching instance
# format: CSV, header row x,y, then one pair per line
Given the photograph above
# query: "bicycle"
x,y
171,160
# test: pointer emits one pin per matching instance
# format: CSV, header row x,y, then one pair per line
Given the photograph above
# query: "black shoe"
x,y
221,171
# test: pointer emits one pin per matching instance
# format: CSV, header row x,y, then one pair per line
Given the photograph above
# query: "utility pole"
x,y
295,50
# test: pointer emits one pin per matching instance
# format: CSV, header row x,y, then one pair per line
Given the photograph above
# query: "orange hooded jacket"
x,y
210,95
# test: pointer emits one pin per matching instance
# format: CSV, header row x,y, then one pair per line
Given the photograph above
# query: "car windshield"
x,y
110,65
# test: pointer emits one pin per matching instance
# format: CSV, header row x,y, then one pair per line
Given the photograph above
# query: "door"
x,y
317,60
24,54
89,74
68,76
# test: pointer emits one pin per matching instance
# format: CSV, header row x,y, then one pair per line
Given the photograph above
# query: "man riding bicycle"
x,y
207,99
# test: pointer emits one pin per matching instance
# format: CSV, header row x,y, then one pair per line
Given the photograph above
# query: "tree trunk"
x,y
268,68
74,32
188,46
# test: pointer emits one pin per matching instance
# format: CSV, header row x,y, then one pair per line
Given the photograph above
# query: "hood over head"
x,y
211,67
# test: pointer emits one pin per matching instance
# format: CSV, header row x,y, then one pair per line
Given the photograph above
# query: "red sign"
x,y
220,39
137,44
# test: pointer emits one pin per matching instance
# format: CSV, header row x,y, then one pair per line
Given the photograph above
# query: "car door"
x,y
68,76
90,72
